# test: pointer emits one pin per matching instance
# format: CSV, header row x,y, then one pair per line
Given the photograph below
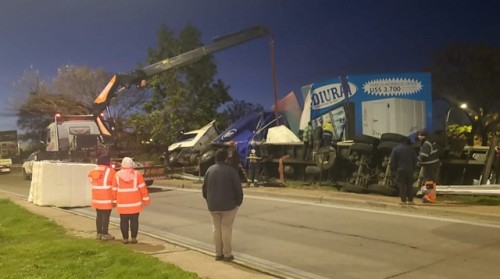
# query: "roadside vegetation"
x,y
32,246
471,200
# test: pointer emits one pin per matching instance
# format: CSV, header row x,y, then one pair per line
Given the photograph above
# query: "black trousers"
x,y
404,180
253,171
102,220
129,221
307,150
430,172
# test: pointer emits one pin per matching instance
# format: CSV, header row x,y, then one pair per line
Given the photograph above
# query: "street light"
x,y
462,106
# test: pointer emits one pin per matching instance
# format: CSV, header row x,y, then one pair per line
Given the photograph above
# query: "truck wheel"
x,y
194,159
362,148
325,158
347,187
173,159
392,137
382,190
312,170
208,156
367,140
386,146
149,182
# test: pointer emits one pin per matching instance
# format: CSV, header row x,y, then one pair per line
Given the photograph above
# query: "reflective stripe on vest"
x,y
101,194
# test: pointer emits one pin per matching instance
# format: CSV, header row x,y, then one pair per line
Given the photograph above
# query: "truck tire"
x,y
173,159
312,170
363,148
149,182
382,190
351,188
367,140
208,157
392,137
325,158
194,159
386,146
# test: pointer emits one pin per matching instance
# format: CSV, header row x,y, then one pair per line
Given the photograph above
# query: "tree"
x,y
468,73
39,111
72,91
82,83
37,105
183,99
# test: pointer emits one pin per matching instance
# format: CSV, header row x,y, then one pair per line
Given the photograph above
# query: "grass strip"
x,y
32,246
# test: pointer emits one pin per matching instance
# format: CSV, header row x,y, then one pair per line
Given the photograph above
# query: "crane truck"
x,y
122,81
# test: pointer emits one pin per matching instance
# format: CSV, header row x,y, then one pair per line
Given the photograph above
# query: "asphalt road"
x,y
310,240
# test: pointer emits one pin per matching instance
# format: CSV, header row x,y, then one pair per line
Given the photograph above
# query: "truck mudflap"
x,y
160,172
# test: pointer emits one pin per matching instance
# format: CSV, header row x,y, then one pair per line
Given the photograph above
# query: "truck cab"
x,y
73,137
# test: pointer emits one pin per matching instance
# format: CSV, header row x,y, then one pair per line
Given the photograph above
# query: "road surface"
x,y
309,240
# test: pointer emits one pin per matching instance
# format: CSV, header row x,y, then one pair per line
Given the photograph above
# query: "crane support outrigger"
x,y
120,82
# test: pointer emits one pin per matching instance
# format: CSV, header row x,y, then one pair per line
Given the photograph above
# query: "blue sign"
x,y
374,104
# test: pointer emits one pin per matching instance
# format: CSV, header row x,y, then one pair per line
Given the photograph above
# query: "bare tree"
x,y
72,91
81,83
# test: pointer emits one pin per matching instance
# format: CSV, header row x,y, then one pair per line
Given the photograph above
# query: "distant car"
x,y
5,165
28,165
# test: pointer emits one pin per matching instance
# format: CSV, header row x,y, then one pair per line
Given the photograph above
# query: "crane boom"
x,y
119,82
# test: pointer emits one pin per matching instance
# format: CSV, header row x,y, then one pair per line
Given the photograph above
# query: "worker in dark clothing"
x,y
403,162
428,157
253,166
327,133
307,139
317,139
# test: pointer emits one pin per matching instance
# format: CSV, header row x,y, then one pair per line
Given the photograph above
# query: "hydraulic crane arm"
x,y
119,82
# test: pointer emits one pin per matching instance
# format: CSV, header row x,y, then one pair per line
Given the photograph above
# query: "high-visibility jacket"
x,y
429,153
101,179
328,129
130,191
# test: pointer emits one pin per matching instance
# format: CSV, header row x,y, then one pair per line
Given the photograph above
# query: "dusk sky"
x,y
316,40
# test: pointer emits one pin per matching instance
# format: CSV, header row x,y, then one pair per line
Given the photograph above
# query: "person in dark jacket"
x,y
403,163
307,139
317,138
428,157
224,195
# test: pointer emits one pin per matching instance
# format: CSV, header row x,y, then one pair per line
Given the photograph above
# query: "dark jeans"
x,y
102,220
129,221
307,151
253,171
404,180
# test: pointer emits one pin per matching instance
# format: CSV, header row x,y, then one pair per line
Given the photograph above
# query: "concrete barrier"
x,y
60,184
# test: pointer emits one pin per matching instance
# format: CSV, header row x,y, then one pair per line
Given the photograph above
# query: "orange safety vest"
x,y
130,191
101,179
429,190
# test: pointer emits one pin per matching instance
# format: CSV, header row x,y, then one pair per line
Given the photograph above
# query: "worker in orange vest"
x,y
429,190
131,195
101,179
